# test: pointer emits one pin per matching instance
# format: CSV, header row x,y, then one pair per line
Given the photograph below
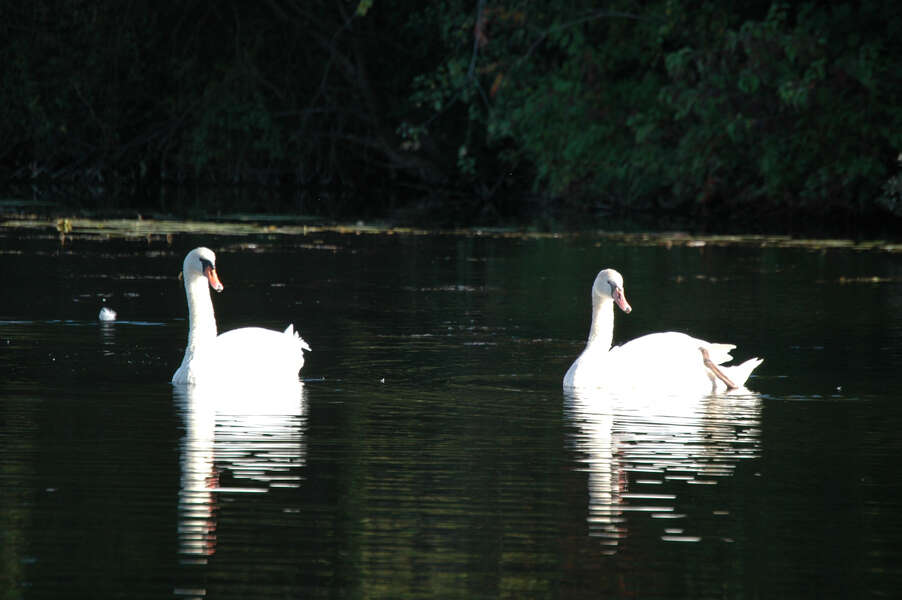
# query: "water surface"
x,y
430,451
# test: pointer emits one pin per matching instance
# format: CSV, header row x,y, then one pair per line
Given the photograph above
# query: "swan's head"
x,y
609,286
201,262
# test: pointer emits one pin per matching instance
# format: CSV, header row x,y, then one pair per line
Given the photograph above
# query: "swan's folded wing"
x,y
255,353
720,353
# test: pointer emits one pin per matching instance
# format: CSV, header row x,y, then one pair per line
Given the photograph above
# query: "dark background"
x,y
742,115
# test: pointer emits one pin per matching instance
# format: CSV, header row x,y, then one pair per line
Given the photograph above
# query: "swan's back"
x,y
258,353
248,354
665,362
668,360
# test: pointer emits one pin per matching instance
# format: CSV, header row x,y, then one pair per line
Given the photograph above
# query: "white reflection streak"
x,y
254,433
642,441
108,337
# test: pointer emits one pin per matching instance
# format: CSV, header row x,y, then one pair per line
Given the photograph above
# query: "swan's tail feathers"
x,y
740,373
290,331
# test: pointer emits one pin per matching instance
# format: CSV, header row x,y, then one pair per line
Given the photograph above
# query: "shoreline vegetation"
x,y
224,210
739,117
274,226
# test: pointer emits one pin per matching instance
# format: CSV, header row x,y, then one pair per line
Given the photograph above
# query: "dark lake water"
x,y
431,452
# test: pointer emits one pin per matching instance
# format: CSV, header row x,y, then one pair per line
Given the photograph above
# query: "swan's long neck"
x,y
201,319
602,331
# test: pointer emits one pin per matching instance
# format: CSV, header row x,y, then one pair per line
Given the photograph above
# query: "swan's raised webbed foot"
x,y
706,358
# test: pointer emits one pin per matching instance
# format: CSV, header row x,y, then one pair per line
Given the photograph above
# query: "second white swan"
x,y
669,362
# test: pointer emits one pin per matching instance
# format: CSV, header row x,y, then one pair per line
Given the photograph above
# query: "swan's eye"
x,y
205,264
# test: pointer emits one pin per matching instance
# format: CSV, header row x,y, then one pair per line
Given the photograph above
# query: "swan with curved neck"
x,y
245,354
668,361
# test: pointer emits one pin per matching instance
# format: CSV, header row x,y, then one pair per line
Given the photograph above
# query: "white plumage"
x,y
668,362
248,354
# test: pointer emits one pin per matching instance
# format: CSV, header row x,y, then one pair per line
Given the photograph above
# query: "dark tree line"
x,y
474,109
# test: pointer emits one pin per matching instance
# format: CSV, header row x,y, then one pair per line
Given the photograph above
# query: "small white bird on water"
x,y
107,314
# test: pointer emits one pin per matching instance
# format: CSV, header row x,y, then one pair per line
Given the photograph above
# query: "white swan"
x,y
668,362
248,354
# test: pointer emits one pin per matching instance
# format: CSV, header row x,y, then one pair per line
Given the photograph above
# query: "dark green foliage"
x,y
699,107
694,105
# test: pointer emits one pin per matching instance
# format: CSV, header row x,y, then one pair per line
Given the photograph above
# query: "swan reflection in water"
x,y
637,448
254,435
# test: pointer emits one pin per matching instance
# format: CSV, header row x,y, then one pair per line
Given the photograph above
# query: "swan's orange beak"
x,y
213,278
620,299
